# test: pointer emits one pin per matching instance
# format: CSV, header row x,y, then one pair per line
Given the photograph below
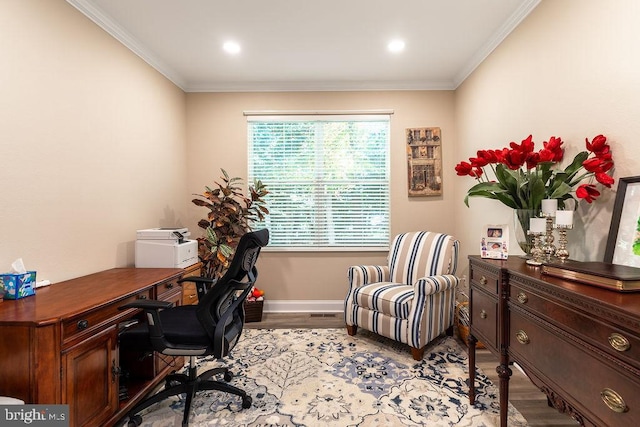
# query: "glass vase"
x,y
521,221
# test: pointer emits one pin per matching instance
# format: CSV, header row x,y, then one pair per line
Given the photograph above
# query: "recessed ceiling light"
x,y
396,46
231,47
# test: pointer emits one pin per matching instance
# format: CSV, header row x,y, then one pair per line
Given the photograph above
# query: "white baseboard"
x,y
304,306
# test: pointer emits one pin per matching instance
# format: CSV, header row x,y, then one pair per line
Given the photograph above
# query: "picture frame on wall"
x,y
623,243
424,157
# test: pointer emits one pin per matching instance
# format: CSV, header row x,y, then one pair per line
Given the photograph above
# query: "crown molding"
x,y
315,86
106,23
497,38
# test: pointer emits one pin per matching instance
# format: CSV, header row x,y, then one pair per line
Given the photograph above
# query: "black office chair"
x,y
212,327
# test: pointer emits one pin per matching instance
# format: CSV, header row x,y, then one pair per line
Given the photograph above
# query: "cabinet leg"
x,y
504,373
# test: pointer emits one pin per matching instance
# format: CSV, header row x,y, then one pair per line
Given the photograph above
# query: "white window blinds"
x,y
328,178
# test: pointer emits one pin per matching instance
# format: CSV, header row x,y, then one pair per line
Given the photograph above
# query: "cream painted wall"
x,y
218,139
92,142
571,69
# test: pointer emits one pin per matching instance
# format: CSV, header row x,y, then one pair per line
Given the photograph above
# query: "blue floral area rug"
x,y
324,377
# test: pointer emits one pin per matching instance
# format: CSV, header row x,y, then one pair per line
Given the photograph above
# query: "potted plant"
x,y
229,218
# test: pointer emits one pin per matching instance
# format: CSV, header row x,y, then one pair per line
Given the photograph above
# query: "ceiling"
x,y
302,45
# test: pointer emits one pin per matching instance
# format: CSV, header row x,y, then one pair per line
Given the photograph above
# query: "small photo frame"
x,y
623,243
494,242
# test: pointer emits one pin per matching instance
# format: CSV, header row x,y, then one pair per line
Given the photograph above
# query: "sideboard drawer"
x,y
600,389
484,318
615,341
483,278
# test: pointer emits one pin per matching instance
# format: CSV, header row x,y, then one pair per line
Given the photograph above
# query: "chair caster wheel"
x,y
134,421
246,402
228,376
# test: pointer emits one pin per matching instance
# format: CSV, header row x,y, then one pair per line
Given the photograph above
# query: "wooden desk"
x,y
189,291
579,344
61,345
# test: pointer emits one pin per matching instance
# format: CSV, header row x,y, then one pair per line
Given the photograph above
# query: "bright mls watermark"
x,y
36,415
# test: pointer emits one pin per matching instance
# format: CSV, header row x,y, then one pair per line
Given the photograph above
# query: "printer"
x,y
165,248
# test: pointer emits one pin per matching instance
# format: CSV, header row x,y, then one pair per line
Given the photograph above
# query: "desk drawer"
x,y
189,293
572,371
90,322
615,341
165,291
484,279
484,318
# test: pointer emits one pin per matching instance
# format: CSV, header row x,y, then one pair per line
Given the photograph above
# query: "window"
x,y
328,178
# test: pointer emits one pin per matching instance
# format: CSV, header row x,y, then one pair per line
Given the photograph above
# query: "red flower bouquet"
x,y
524,177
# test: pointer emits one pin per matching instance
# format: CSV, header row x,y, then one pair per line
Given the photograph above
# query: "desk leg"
x,y
504,373
471,340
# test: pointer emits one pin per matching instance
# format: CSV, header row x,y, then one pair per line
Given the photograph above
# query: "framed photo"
x,y
424,157
623,243
494,241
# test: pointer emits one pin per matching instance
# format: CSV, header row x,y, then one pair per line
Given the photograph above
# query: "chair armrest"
x,y
198,279
364,274
434,284
203,284
431,311
152,310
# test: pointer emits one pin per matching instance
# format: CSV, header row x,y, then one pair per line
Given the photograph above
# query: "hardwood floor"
x,y
298,320
526,397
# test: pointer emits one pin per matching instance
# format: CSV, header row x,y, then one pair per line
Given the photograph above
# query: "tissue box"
x,y
18,285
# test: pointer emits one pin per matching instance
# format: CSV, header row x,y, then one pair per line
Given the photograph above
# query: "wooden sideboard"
x,y
61,345
579,344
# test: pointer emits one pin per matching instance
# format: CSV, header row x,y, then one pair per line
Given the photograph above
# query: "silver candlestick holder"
x,y
562,252
548,247
536,251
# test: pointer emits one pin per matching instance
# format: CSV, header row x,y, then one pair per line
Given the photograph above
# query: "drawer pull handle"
x,y
613,400
142,297
522,298
483,280
115,371
483,314
619,342
169,285
83,324
522,337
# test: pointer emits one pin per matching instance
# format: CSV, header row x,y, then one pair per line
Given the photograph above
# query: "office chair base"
x,y
189,385
134,421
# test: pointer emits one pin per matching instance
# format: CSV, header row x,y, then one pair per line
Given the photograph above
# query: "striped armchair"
x,y
411,299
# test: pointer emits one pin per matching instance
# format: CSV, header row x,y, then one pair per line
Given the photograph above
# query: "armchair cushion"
x,y
392,299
